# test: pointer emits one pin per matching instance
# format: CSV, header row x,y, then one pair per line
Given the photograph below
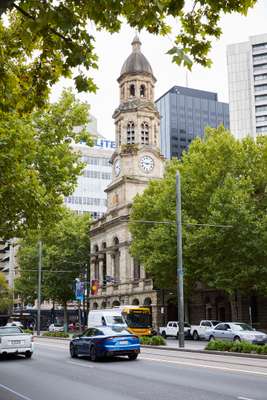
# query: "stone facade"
x,y
117,277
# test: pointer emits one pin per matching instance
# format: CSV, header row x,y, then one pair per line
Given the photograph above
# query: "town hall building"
x,y
116,277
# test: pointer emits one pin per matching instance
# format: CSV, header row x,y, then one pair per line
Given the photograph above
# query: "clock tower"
x,y
136,160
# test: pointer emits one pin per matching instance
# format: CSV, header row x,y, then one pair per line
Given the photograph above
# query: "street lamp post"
x,y
39,287
180,274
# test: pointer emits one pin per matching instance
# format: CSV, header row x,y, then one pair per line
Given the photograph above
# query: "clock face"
x,y
146,163
117,167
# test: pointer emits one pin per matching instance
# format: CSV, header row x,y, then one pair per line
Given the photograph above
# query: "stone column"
x,y
100,261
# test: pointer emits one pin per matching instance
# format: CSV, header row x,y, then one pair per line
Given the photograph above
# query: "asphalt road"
x,y
157,375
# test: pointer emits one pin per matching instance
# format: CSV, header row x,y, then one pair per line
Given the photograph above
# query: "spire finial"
x,y
136,43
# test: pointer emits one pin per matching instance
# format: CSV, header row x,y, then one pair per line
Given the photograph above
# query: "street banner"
x,y
79,290
94,286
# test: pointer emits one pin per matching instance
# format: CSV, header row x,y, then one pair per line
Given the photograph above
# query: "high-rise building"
x,y
89,195
247,80
185,113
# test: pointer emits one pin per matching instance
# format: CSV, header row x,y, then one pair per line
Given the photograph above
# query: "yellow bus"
x,y
138,319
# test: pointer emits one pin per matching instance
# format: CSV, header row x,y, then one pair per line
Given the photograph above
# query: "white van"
x,y
106,317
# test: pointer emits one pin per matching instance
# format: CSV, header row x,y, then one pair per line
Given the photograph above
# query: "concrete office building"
x,y
185,113
247,80
89,195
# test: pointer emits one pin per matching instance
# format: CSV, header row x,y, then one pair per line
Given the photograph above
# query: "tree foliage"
x,y
65,254
37,164
5,294
44,40
224,188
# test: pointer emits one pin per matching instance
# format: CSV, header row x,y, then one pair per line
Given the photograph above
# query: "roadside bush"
x,y
154,340
56,334
237,347
28,331
158,341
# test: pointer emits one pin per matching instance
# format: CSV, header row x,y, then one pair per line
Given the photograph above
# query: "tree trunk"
x,y
234,306
65,317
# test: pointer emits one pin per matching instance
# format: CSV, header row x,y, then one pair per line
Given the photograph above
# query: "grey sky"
x,y
114,49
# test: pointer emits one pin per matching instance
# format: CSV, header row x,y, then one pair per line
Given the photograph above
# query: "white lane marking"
x,y
205,366
244,398
51,345
80,365
14,392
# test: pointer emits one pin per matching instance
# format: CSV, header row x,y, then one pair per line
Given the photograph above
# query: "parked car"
x,y
172,330
56,328
15,323
14,341
105,341
236,331
199,331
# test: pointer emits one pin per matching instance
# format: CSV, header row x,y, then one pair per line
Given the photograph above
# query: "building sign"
x,y
105,144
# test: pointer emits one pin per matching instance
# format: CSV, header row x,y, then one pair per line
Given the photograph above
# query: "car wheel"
x,y
132,356
164,335
195,335
211,338
28,354
237,339
73,351
93,355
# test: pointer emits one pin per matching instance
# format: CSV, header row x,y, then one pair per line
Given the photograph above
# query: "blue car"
x,y
105,341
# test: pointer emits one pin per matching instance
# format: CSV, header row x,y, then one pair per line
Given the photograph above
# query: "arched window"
x,y
119,135
104,265
135,302
95,306
144,133
130,133
116,260
142,91
96,249
116,303
137,270
147,301
132,90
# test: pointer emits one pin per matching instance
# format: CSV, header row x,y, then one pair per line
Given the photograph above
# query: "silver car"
x,y
236,331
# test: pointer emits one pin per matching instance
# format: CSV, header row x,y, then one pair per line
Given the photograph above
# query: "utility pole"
x,y
39,286
180,274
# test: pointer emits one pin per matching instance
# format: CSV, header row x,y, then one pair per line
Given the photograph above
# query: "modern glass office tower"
x,y
185,113
247,80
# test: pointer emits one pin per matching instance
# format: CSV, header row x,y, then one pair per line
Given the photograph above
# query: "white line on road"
x,y
80,365
244,398
14,392
204,366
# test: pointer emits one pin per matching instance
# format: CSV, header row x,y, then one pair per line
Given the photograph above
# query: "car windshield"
x,y
242,327
214,322
114,320
58,325
140,320
10,330
113,331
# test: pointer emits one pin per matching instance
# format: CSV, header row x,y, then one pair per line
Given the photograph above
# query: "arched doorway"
x,y
115,303
135,302
147,301
95,306
172,310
